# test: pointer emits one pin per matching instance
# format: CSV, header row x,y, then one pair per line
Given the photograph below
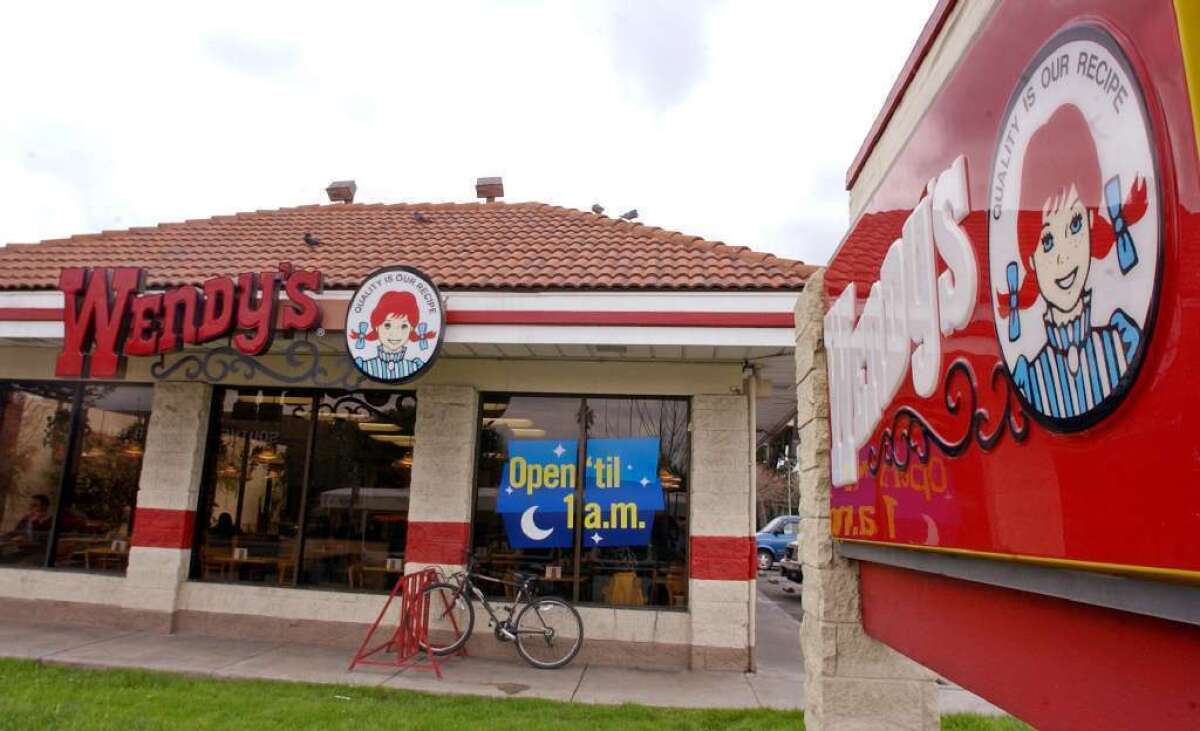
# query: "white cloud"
x,y
734,120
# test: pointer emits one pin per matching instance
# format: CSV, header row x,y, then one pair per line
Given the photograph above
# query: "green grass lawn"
x,y
35,696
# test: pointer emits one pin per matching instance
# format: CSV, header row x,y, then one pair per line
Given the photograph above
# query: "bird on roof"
x,y
598,209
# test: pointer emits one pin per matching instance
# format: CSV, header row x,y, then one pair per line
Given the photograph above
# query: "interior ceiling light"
x,y
402,440
529,433
377,426
511,423
329,416
291,400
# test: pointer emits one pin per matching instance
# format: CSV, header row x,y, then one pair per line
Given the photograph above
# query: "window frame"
x,y
70,468
580,458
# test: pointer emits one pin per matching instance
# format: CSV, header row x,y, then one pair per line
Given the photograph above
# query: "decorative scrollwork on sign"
x,y
910,434
303,360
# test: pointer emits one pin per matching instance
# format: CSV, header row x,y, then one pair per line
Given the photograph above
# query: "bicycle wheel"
x,y
549,633
451,619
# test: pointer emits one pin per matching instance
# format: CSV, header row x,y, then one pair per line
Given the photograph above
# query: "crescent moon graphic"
x,y
530,529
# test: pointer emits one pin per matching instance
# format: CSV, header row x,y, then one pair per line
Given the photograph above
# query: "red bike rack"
x,y
412,627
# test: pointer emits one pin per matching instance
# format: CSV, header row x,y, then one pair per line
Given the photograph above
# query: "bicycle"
x,y
548,631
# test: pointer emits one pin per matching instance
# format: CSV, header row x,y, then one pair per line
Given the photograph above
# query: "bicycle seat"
x,y
523,577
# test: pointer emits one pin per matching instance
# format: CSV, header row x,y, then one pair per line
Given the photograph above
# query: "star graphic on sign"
x,y
596,538
508,490
558,451
644,481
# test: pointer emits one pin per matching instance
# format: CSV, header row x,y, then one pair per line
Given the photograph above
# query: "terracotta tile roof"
x,y
460,245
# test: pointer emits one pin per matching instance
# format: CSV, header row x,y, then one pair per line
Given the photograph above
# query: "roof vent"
x,y
489,188
341,191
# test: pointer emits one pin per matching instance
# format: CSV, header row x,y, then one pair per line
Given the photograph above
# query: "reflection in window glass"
x,y
34,421
617,537
96,517
256,487
358,494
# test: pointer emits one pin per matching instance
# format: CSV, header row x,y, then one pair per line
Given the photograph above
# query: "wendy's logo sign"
x,y
106,317
394,325
1074,230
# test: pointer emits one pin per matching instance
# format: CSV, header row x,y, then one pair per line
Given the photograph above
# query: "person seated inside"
x,y
224,527
36,521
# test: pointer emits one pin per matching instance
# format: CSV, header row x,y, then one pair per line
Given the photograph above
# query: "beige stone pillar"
x,y
721,584
443,477
851,680
164,523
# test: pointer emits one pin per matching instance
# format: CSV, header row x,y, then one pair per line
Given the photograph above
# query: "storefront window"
x,y
642,558
529,428
33,447
70,463
297,500
96,517
256,484
619,536
358,496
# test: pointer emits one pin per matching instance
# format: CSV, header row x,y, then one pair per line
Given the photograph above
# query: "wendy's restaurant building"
x,y
251,425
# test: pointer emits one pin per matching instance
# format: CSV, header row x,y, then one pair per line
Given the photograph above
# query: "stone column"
x,y
164,523
721,584
443,477
851,680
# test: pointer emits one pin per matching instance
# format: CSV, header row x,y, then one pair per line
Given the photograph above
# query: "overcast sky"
x,y
730,120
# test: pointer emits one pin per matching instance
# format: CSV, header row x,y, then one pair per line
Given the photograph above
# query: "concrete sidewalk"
x,y
779,682
222,658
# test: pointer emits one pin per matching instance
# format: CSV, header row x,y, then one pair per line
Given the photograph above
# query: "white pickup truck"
x,y
789,566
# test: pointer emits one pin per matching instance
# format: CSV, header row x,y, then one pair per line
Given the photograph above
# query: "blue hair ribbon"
x,y
1127,255
421,329
1014,315
361,341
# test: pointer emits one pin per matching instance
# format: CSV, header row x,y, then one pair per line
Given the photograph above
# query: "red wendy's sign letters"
x,y
106,316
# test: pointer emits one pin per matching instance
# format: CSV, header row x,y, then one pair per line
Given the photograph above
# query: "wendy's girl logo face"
x,y
395,325
1074,230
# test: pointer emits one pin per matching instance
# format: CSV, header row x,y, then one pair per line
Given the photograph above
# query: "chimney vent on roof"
x,y
489,189
341,191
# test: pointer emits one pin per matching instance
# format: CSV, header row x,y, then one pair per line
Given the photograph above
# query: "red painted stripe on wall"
x,y
161,528
620,319
31,314
723,558
1051,662
437,542
333,317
